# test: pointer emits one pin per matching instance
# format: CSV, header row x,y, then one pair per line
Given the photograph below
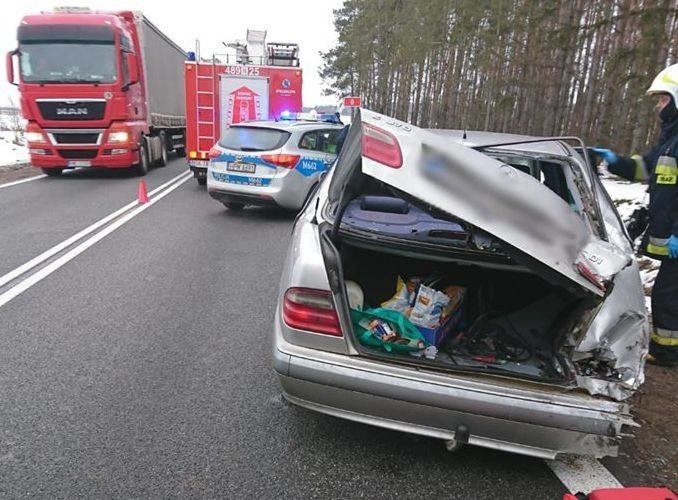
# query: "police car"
x,y
273,163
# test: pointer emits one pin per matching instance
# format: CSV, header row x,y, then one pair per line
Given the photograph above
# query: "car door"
x,y
516,208
327,144
315,159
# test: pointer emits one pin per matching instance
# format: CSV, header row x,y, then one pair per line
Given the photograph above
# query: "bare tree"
x,y
15,123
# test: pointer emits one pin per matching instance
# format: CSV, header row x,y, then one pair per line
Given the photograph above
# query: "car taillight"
x,y
312,310
214,152
590,275
281,160
381,146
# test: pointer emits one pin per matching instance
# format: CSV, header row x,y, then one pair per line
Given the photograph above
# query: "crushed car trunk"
x,y
527,245
510,323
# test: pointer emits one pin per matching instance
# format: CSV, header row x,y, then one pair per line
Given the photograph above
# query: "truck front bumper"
x,y
82,157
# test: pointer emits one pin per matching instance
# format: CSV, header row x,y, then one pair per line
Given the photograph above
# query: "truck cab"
x,y
84,92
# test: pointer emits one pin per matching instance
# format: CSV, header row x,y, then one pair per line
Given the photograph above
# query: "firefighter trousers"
x,y
664,342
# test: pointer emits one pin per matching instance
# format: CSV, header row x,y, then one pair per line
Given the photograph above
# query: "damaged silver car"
x,y
547,335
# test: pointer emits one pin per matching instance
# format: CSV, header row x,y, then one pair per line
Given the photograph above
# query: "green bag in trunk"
x,y
409,337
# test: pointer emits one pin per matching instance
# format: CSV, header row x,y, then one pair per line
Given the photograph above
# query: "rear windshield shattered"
x,y
253,138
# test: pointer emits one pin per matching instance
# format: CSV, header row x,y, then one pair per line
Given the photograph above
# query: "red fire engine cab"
x,y
262,81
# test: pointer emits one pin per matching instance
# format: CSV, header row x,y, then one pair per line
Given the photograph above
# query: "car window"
x,y
309,141
323,141
327,140
125,69
253,138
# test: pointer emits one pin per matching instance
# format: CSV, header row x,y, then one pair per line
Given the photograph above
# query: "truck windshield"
x,y
59,62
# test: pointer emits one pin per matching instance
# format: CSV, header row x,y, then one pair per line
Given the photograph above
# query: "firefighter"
x,y
659,167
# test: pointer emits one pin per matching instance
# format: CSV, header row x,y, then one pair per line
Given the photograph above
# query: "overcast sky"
x,y
306,22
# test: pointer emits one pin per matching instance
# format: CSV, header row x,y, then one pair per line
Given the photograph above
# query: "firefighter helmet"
x,y
666,82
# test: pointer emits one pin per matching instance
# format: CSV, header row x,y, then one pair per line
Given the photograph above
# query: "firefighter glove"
x,y
673,247
606,154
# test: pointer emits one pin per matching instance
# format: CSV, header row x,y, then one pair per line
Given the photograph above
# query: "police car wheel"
x,y
232,205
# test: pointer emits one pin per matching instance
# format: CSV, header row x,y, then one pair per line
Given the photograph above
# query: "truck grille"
x,y
76,138
72,110
77,154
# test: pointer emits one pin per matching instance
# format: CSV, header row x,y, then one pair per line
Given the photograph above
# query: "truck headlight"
x,y
121,136
34,137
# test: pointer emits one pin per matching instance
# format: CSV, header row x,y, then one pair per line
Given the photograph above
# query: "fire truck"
x,y
98,89
260,81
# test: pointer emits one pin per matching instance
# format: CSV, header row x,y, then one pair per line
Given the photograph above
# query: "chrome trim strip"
x,y
74,130
70,101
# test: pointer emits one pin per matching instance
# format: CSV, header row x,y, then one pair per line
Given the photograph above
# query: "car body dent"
x,y
618,336
539,224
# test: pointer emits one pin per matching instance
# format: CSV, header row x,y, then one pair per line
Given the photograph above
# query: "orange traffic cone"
x,y
142,194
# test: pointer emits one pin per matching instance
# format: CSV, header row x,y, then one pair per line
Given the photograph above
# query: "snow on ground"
x,y
628,196
10,152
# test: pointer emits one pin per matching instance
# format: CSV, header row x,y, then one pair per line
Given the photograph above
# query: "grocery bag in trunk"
x,y
409,338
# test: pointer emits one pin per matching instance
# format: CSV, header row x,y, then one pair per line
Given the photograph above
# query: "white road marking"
x,y
74,252
15,273
583,474
21,181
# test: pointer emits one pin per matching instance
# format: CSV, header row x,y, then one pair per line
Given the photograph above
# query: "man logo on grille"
x,y
71,111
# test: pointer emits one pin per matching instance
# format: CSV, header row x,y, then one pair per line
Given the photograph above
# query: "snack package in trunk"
x,y
434,312
428,307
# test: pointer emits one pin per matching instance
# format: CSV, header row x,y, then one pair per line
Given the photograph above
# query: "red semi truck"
x,y
262,84
98,89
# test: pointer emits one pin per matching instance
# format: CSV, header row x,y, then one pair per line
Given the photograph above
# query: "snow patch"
x,y
12,153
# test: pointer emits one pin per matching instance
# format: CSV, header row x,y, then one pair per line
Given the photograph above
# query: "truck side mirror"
x,y
10,66
132,68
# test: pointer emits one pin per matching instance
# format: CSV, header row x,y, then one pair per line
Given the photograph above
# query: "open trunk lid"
x,y
549,236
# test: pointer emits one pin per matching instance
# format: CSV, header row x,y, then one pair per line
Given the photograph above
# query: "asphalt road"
x,y
141,368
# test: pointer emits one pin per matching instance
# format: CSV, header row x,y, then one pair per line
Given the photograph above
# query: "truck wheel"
x,y
181,152
53,172
202,181
141,168
162,161
232,205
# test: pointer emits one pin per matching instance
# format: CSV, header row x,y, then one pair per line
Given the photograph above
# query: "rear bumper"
x,y
288,191
246,199
199,170
505,418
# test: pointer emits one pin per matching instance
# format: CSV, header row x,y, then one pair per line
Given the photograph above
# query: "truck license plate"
x,y
79,163
246,168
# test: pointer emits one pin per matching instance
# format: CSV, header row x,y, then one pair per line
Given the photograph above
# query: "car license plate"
x,y
79,163
246,168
